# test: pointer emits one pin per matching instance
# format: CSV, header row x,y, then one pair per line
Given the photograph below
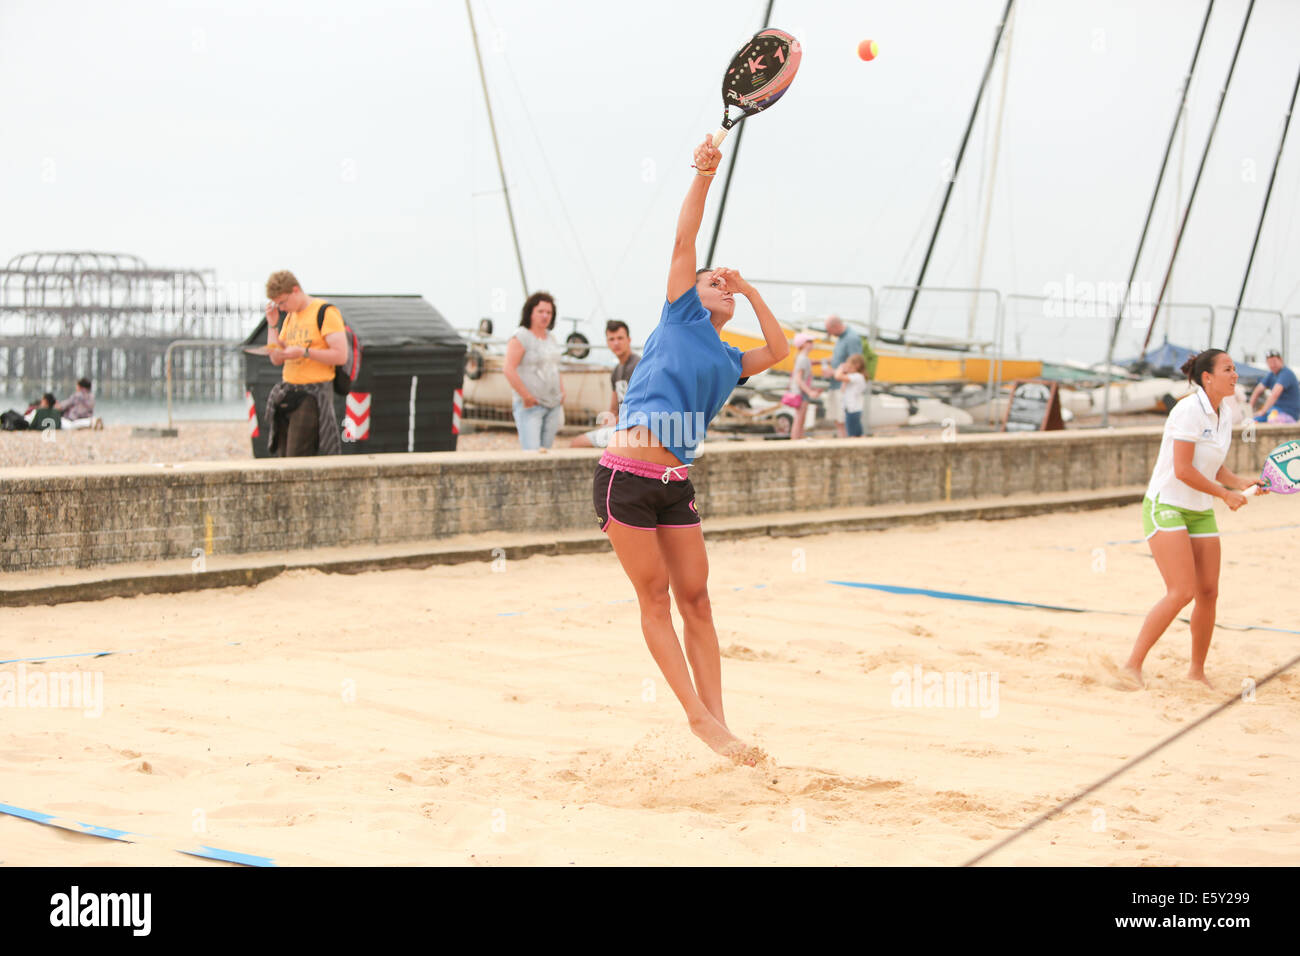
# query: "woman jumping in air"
x,y
643,496
1177,517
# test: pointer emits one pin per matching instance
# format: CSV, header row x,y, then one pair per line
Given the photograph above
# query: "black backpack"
x,y
12,421
343,378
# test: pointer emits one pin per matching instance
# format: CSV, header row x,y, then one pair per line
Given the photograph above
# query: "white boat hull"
x,y
587,393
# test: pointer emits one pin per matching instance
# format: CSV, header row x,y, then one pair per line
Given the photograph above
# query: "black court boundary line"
x,y
1127,765
175,582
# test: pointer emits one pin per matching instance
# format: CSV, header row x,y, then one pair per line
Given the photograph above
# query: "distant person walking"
x,y
848,342
310,345
1281,393
533,370
78,409
619,341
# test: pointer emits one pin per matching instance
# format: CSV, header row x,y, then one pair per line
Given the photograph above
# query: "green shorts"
x,y
1162,517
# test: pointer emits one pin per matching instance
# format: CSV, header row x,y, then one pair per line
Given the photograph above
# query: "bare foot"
x,y
1116,676
749,756
1200,679
1132,676
724,742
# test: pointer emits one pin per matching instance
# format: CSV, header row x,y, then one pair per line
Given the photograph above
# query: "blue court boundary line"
x,y
126,836
57,657
978,599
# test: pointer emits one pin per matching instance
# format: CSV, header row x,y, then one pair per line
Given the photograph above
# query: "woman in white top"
x,y
1177,513
533,370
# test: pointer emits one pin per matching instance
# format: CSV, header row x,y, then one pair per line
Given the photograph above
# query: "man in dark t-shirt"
x,y
1281,393
619,341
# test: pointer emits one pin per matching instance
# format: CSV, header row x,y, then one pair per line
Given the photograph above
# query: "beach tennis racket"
x,y
1281,472
758,76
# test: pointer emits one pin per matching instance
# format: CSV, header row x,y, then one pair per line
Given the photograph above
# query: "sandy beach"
x,y
471,716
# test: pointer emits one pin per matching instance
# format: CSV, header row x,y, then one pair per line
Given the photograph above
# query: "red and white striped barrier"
x,y
253,430
455,412
356,426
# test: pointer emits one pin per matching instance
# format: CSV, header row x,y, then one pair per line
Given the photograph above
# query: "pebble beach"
x,y
197,441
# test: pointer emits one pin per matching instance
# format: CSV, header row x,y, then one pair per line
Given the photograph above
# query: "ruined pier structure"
x,y
110,317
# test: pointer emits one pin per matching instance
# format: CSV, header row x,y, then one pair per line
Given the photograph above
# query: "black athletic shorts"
x,y
635,493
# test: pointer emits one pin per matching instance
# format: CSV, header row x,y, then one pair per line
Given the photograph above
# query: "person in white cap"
x,y
801,390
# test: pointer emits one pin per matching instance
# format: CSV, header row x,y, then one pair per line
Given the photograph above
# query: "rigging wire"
x,y
662,181
591,278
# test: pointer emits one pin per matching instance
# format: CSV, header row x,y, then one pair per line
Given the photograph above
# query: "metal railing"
x,y
1142,324
1281,322
993,346
906,337
870,326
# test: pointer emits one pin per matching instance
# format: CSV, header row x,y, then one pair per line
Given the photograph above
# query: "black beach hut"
x,y
405,394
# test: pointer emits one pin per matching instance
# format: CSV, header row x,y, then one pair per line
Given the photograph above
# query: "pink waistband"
x,y
645,469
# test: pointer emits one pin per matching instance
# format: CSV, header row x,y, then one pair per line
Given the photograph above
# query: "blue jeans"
x,y
853,424
537,425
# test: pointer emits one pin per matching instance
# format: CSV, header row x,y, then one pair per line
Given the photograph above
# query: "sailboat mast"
x,y
1197,181
993,177
510,213
1179,117
1286,124
952,180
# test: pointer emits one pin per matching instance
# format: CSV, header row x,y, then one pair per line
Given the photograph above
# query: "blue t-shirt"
x,y
685,376
1289,400
850,343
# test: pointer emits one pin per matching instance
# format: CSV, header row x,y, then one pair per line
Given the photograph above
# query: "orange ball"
x,y
867,49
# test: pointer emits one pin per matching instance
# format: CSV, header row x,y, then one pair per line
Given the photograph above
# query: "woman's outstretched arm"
x,y
681,272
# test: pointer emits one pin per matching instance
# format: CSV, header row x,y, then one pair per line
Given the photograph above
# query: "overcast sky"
x,y
349,142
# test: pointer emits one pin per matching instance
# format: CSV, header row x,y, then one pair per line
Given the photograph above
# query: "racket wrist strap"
x,y
707,173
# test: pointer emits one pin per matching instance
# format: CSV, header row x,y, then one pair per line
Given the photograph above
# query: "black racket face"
x,y
759,73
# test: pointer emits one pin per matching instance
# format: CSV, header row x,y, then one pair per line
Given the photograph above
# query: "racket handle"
x,y
719,136
1252,490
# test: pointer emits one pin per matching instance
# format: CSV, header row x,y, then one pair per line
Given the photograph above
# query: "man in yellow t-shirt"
x,y
303,404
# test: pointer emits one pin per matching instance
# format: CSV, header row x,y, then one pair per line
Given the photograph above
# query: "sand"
x,y
470,716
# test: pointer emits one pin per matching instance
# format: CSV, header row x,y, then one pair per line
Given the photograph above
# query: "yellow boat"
x,y
903,368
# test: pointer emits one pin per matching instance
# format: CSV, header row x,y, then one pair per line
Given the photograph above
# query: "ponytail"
x,y
1196,366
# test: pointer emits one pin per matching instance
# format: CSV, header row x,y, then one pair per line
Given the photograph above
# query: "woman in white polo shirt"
x,y
1177,513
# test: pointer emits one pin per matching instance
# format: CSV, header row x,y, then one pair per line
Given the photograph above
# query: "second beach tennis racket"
x,y
1281,472
758,75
